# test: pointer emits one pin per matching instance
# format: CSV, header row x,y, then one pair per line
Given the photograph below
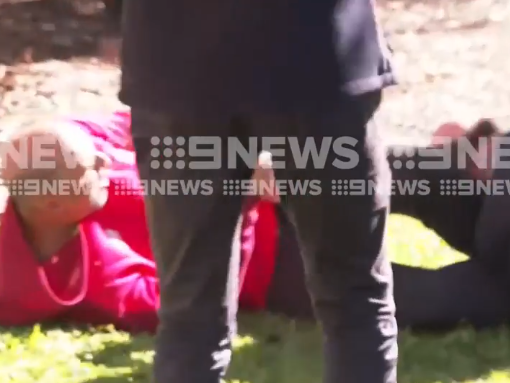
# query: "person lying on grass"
x,y
474,222
474,291
78,252
74,244
85,257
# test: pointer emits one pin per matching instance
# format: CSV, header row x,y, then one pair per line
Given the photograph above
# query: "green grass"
x,y
269,350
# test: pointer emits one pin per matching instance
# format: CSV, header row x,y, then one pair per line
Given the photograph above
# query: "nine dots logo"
x,y
127,188
162,152
16,187
408,163
448,187
340,187
232,187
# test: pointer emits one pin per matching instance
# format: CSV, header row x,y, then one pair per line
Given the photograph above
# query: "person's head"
x,y
53,172
480,137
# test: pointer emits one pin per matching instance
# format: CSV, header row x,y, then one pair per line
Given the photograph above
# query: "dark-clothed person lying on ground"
x,y
473,291
473,222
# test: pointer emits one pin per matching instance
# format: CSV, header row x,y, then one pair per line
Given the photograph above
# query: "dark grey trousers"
x,y
342,240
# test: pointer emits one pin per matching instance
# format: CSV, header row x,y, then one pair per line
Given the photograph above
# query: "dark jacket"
x,y
230,56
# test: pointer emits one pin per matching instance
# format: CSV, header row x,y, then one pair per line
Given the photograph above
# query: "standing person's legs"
x,y
191,240
342,238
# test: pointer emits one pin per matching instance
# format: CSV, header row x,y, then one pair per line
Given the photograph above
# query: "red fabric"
x,y
25,295
259,249
64,272
106,275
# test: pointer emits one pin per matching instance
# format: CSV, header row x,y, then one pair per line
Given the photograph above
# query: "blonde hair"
x,y
71,142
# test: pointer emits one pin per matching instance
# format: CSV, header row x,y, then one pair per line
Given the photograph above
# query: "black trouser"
x,y
475,291
348,272
492,244
425,299
442,299
471,292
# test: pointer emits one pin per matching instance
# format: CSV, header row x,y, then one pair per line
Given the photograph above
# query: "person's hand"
x,y
480,136
447,132
264,179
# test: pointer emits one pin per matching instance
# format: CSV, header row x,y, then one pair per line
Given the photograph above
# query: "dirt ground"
x,y
453,63
452,59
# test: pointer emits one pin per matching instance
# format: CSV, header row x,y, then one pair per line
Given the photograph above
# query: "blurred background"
x,y
452,60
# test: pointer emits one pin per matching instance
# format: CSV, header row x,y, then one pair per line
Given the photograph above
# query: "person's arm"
x,y
136,285
128,198
111,135
114,128
447,146
417,189
419,192
126,282
131,289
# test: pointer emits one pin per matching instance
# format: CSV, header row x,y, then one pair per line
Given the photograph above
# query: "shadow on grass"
x,y
273,350
38,30
124,361
260,354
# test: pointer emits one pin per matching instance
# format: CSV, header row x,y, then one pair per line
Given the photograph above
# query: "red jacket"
x,y
107,274
99,277
258,254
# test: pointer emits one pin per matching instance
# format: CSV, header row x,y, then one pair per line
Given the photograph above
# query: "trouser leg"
x,y
342,238
492,243
191,240
444,298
